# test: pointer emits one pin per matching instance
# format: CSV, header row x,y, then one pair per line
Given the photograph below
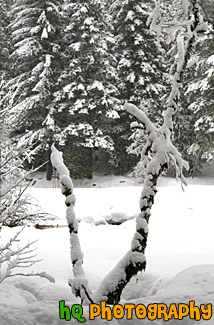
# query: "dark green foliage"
x,y
139,58
194,123
36,59
5,42
140,72
121,132
78,160
67,68
86,101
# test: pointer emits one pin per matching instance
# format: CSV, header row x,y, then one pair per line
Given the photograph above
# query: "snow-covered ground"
x,y
180,251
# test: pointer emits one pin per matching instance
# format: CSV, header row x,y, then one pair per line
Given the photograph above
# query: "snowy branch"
x,y
41,275
15,257
16,205
79,284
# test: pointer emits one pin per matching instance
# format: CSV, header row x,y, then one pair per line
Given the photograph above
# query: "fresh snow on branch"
x,y
159,143
12,257
117,276
79,283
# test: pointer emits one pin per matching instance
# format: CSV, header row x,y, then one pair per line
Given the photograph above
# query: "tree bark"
x,y
79,284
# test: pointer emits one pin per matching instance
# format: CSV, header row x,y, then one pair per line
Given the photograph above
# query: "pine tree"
x,y
194,127
36,60
140,71
4,38
5,45
138,55
86,100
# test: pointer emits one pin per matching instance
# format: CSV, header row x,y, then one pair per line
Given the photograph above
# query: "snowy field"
x,y
180,251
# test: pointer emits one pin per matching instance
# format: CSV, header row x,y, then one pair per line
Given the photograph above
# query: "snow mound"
x,y
117,218
195,281
32,301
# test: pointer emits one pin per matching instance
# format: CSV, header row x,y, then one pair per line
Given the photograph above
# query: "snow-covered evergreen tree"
x,y
4,38
5,45
36,36
194,128
138,55
140,72
86,100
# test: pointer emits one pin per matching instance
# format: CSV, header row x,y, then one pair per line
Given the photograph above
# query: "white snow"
x,y
186,5
88,21
191,62
134,125
75,46
131,77
130,15
44,33
210,60
96,84
179,254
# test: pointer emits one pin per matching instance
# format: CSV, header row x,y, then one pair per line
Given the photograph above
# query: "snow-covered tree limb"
x,y
16,205
41,275
15,210
161,151
12,257
79,284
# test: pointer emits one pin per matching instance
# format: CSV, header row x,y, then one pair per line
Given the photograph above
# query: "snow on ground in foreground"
x,y
181,236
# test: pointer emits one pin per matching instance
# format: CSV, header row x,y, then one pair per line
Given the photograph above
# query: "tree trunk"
x,y
157,152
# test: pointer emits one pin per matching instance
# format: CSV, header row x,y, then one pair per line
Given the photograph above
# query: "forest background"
x,y
68,67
